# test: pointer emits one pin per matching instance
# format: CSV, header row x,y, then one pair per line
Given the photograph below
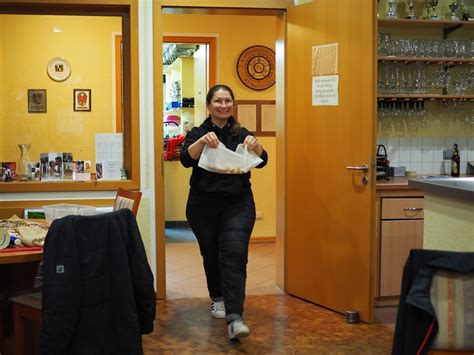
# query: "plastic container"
x,y
53,212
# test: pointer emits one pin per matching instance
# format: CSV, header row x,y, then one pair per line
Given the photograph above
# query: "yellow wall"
x,y
235,33
2,87
231,42
28,44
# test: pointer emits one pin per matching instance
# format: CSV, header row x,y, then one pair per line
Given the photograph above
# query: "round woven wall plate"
x,y
256,67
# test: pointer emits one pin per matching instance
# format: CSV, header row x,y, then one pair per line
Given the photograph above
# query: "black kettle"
x,y
382,162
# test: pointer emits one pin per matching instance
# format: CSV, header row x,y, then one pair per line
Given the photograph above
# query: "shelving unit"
x,y
399,232
182,72
447,27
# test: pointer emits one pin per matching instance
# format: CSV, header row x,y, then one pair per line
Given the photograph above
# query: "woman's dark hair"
x,y
216,88
235,129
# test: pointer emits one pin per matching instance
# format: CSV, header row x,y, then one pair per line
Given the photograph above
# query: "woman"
x,y
221,209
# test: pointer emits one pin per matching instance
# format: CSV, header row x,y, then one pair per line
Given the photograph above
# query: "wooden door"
x,y
329,226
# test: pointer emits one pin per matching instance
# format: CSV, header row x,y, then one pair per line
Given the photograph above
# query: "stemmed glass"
x,y
392,9
411,6
453,7
433,4
465,11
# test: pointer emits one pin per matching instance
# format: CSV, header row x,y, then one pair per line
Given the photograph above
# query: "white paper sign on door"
x,y
325,90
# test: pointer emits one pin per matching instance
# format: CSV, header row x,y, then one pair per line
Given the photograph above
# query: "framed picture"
x,y
36,100
82,99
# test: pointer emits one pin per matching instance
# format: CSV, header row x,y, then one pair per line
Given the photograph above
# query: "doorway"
x,y
226,75
187,63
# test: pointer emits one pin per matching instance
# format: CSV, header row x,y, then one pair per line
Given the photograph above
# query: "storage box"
x,y
53,212
396,171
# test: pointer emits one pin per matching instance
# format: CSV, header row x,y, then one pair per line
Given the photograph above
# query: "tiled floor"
x,y
185,273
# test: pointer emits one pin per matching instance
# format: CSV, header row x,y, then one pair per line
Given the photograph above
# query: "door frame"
x,y
244,7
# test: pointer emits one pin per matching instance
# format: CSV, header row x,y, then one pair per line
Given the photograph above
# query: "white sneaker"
x,y
238,329
218,309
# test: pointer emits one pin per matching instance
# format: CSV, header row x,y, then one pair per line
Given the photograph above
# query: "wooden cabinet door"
x,y
397,239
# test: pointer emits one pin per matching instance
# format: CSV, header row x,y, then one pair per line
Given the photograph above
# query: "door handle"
x,y
364,168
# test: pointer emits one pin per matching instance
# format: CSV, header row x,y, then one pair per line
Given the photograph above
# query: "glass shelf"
x,y
447,25
427,60
434,97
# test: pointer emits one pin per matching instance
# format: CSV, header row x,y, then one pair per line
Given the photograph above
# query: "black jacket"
x,y
98,293
416,326
214,183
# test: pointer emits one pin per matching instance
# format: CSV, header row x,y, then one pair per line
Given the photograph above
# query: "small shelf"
x,y
61,185
447,25
433,97
427,60
178,109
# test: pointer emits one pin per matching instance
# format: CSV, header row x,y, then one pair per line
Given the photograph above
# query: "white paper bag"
x,y
224,161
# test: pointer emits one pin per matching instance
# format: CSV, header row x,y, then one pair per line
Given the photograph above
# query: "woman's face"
x,y
221,106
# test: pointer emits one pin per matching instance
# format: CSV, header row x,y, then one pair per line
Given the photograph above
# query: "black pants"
x,y
223,226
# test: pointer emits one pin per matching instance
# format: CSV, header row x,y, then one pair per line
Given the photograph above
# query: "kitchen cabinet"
x,y
399,228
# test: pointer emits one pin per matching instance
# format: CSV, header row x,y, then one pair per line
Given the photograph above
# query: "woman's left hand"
x,y
253,145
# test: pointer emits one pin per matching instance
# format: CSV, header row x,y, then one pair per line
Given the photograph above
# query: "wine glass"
x,y
392,9
433,4
453,7
411,14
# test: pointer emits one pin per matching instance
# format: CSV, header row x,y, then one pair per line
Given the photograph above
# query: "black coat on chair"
x,y
98,293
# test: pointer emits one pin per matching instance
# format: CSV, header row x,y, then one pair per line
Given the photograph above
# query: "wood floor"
x,y
280,324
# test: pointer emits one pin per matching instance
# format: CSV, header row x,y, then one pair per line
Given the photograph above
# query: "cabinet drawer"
x,y
402,208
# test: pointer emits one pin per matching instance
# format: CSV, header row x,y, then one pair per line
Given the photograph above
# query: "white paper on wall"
x,y
325,90
108,147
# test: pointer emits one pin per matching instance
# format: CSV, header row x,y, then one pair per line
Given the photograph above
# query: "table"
x,y
24,256
20,257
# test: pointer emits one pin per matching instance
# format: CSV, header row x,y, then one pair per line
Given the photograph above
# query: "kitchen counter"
x,y
395,183
461,188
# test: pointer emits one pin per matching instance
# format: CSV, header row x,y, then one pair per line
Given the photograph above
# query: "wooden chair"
x,y
127,199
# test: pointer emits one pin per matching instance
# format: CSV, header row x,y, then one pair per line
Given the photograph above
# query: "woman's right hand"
x,y
210,139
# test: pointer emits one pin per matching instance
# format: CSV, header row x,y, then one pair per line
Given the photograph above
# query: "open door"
x,y
329,228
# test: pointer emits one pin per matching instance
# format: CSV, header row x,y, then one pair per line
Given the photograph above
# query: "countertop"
x,y
395,183
460,188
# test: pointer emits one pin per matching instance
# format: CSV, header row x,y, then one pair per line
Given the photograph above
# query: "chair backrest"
x,y
127,199
451,294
